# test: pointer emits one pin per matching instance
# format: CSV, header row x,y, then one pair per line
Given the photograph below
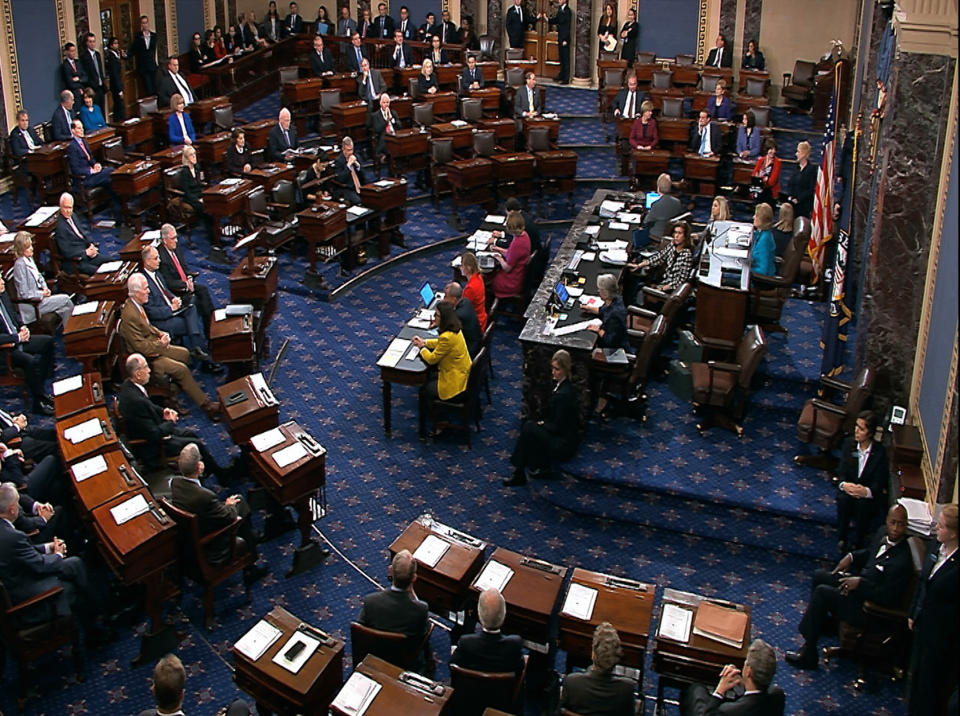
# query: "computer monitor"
x,y
562,294
652,196
427,293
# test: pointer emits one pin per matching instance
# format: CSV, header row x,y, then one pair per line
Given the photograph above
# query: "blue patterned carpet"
x,y
655,502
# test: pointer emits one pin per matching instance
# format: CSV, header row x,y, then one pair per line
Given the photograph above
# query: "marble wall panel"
x,y
751,24
495,20
728,24
82,21
222,15
468,8
585,62
160,24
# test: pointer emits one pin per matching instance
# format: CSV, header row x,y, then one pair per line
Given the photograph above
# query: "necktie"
x,y
96,65
146,40
73,66
84,148
6,418
74,227
386,118
176,264
358,57
402,61
629,113
371,91
163,289
184,88
443,37
30,143
530,99
703,141
719,55
286,137
403,26
519,13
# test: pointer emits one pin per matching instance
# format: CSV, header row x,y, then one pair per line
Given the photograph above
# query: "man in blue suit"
x,y
355,54
83,165
563,20
63,117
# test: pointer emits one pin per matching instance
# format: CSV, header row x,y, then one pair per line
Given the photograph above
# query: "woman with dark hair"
x,y
448,352
468,38
90,114
768,169
195,56
324,25
748,137
513,260
628,35
209,49
753,59
233,40
237,157
676,259
219,48
862,477
607,27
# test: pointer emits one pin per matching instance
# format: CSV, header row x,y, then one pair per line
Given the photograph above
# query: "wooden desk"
x,y
257,413
257,285
296,484
703,170
324,227
225,202
552,125
408,149
720,315
388,197
444,586
444,103
743,170
110,285
346,82
119,478
489,99
447,75
350,118
88,395
531,596
47,164
135,178
270,174
7,256
232,341
650,162
504,129
212,149
405,371
89,338
471,181
397,698
257,133
626,604
401,78
201,111
42,232
460,135
134,131
97,138
104,441
131,250
275,689
302,90
169,157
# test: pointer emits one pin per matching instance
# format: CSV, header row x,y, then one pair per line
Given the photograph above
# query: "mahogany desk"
x,y
134,131
224,202
97,138
201,111
47,163
552,125
118,479
7,256
104,441
171,156
131,250
388,197
676,132
212,149
275,689
268,175
233,342
407,149
447,75
110,285
397,698
298,484
324,227
504,129
444,586
702,170
649,162
89,338
406,371
531,596
401,78
471,181
743,171
88,395
138,183
346,82
489,99
350,118
255,414
514,173
257,133
256,284
42,232
461,136
444,103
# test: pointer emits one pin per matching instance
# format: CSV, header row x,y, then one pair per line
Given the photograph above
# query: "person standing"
x,y
563,20
115,57
92,64
144,50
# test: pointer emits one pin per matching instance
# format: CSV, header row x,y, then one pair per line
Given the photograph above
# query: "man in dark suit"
x,y
23,137
705,137
405,24
35,442
721,55
144,50
293,22
320,59
32,354
863,476
526,103
401,55
563,19
518,20
171,82
71,71
282,138
355,54
176,274
115,59
83,165
346,25
188,494
472,76
72,244
169,677
428,29
490,650
63,116
397,608
383,23
745,693
384,121
598,691
447,30
469,325
347,172
370,85
92,65
628,100
880,573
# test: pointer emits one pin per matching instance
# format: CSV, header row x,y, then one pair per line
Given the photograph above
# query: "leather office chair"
x,y
196,565
441,154
223,118
423,114
672,107
413,87
289,73
146,106
538,140
640,319
824,424
327,127
488,48
513,53
708,83
623,385
684,59
475,691
485,143
467,403
661,87
47,324
662,80
726,386
393,647
177,211
799,93
646,58
514,77
18,173
471,110
762,116
267,217
769,293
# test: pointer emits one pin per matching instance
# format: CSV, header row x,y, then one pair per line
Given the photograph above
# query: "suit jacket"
x,y
25,570
292,24
146,58
591,693
277,145
660,213
560,418
346,28
379,125
411,31
489,652
249,36
883,579
366,29
176,132
60,125
449,353
114,72
70,244
716,138
81,165
563,20
620,101
211,513
169,271
516,27
934,609
191,187
426,31
158,310
724,110
93,67
14,317
322,62
754,704
876,473
143,417
470,327
235,160
18,142
726,59
521,103
137,333
443,59
342,173
467,78
452,37
166,88
363,87
351,56
395,611
73,75
383,26
407,56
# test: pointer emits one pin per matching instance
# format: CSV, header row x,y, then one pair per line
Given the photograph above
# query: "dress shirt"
x,y
630,107
146,40
862,457
184,88
96,65
183,127
719,57
398,55
705,147
387,121
28,138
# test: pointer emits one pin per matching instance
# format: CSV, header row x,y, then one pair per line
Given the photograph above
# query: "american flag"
x,y
822,219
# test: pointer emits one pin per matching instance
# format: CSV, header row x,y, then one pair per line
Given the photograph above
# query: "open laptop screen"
x,y
427,293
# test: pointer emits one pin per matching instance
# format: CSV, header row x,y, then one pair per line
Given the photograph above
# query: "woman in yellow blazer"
x,y
449,353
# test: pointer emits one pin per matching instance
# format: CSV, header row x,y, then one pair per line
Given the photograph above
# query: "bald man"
x,y
282,141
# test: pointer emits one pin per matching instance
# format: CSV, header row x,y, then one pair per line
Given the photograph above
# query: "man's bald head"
x,y
453,291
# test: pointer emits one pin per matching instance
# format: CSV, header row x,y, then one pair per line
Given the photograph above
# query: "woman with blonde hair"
x,y
31,285
764,247
783,229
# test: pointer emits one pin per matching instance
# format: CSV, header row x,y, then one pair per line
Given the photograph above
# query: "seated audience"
x,y
863,475
803,183
211,51
397,608
474,289
597,691
643,133
23,137
238,155
91,116
324,25
753,58
472,76
370,85
179,125
428,29
354,54
664,209
767,169
347,171
272,25
676,258
171,82
764,249
32,354
469,325
195,55
448,352
748,137
31,284
720,55
311,178
879,573
365,27
169,677
438,56
191,184
385,122
282,140
427,80
706,139
783,229
527,100
490,650
468,38
83,165
36,442
719,105
627,103
401,56
253,37
738,692
72,244
321,60
176,274
63,116
233,40
508,281
555,437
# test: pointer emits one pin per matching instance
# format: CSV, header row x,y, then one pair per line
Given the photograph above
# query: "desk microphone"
x,y
125,475
95,389
625,584
538,564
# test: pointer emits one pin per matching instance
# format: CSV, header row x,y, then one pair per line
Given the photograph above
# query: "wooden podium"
x,y
407,149
397,695
103,441
299,482
232,341
324,227
89,394
257,411
88,337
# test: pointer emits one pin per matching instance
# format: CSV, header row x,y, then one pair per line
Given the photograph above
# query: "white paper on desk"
x,y
394,353
431,550
494,575
629,218
412,353
550,115
110,266
67,385
358,210
590,300
220,314
457,260
574,327
481,236
88,468
612,245
255,642
262,389
417,322
610,208
458,123
575,291
592,230
589,256
618,226
294,665
357,694
41,215
126,511
82,309
289,454
267,439
383,183
6,238
152,235
495,219
675,623
230,181
580,601
83,431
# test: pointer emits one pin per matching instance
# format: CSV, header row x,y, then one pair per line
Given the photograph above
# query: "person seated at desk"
x,y
767,169
764,249
513,206
720,55
370,85
664,209
879,573
612,331
748,137
862,478
469,325
238,155
753,58
555,437
472,76
195,56
719,211
72,244
643,133
508,281
171,82
474,289
167,686
438,55
190,495
37,443
282,140
527,100
31,354
676,258
191,184
597,691
312,177
385,121
355,54
397,608
448,352
23,138
739,693
91,116
427,80
176,274
803,183
490,650
212,48
63,116
627,103
706,139
347,172
400,55
179,125
32,286
84,166
783,229
719,105
428,29
321,60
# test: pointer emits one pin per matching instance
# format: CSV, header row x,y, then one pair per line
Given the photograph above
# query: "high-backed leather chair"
x,y
441,154
485,143
672,107
289,73
328,98
394,647
471,110
88,198
762,116
146,106
223,118
640,319
423,114
798,94
824,423
489,48
266,217
726,386
769,293
513,53
475,691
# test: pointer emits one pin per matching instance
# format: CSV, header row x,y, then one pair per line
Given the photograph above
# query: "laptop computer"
x,y
427,294
651,197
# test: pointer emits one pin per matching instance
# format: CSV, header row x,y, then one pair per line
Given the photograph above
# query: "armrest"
x,y
828,382
717,344
275,205
827,407
724,367
760,281
655,293
265,217
226,529
639,311
875,610
175,192
34,600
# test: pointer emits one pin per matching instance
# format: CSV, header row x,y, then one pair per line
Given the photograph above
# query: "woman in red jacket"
x,y
768,169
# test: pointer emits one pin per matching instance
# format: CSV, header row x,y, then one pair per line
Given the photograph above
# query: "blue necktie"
x,y
703,140
358,57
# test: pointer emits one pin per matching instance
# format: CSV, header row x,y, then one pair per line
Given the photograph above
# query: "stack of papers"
x,y
357,694
358,210
263,391
618,226
266,440
394,353
84,308
615,245
592,230
231,181
255,642
629,218
615,257
675,623
152,235
580,601
126,511
587,300
458,123
609,209
574,327
919,519
6,238
41,215
110,266
431,550
88,468
83,431
495,219
384,183
494,575
67,385
289,454
721,624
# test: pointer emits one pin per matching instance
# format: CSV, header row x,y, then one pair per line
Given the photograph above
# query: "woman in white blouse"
x,y
30,283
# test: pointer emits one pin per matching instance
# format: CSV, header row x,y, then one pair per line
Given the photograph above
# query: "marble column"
x,y
222,15
160,25
902,216
751,24
495,21
728,24
584,60
81,21
232,13
468,8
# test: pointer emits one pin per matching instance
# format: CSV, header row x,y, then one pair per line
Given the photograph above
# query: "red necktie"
x,y
176,262
83,146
